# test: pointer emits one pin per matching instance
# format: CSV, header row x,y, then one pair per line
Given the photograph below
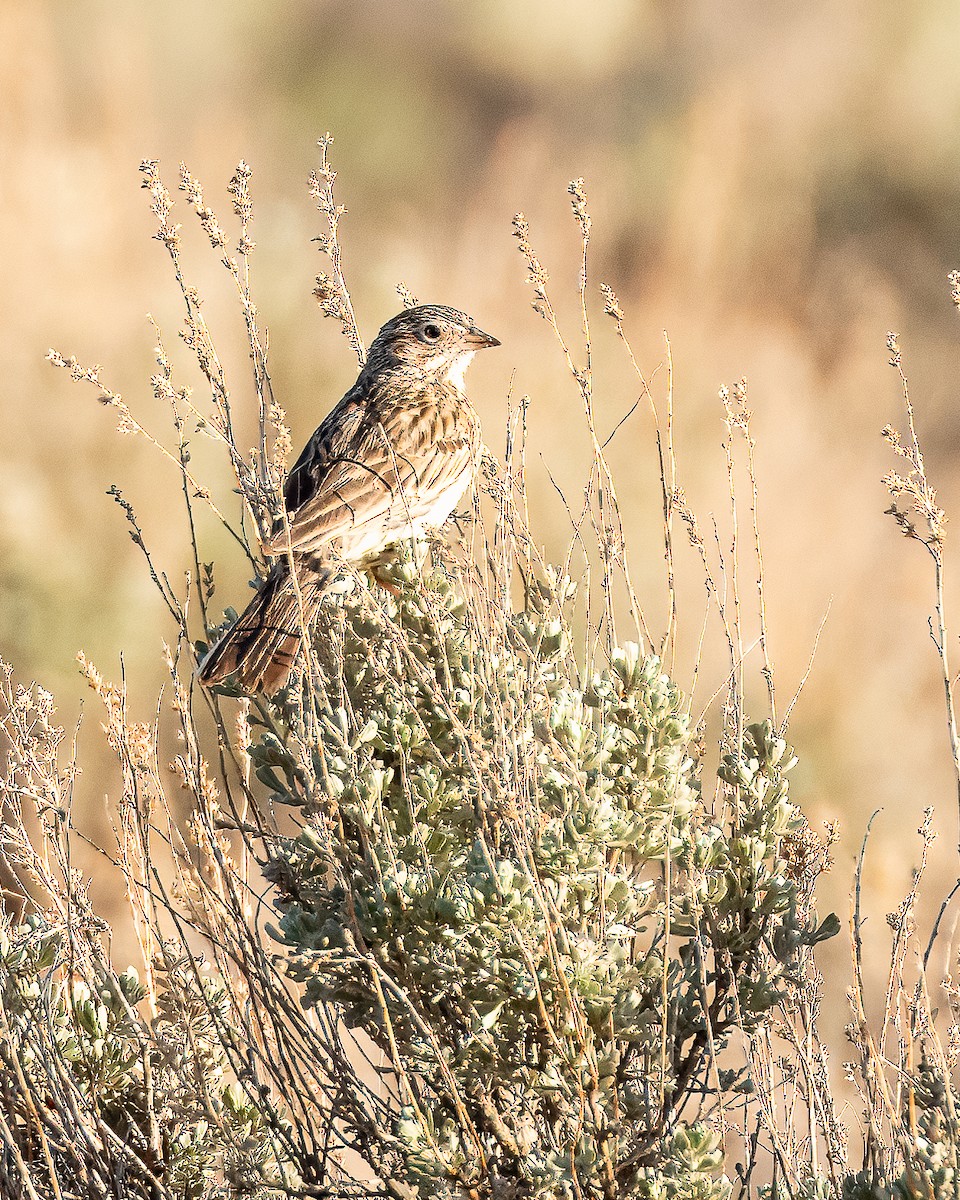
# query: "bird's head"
x,y
429,341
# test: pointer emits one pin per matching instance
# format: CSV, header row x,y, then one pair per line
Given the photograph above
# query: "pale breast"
x,y
444,470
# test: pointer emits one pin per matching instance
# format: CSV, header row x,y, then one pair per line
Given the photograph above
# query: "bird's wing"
x,y
376,465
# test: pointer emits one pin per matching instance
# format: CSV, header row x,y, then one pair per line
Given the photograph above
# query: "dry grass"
x,y
312,1097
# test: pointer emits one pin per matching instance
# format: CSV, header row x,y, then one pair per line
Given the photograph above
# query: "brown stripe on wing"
x,y
389,475
262,645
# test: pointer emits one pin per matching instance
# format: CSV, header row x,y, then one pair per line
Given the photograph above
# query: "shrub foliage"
x,y
507,879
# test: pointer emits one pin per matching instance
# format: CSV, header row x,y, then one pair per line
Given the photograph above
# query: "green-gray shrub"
x,y
508,879
102,1100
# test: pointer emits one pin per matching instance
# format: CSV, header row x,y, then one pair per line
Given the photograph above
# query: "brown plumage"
x,y
389,462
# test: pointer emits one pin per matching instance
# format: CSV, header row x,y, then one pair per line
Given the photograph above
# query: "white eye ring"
x,y
430,333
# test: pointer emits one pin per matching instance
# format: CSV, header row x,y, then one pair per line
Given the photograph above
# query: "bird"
x,y
389,462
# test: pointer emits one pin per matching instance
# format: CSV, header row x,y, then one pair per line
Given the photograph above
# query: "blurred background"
x,y
774,185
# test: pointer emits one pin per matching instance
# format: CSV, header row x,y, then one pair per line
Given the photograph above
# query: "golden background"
x,y
776,185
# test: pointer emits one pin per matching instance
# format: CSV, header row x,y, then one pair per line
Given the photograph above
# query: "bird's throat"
x,y
458,368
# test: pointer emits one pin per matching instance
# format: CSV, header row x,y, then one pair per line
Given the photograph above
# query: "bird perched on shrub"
x,y
389,462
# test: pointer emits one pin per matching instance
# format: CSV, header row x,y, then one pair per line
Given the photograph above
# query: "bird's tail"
x,y
261,646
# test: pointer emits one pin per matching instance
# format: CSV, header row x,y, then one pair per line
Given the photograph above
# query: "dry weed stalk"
x,y
923,521
907,1058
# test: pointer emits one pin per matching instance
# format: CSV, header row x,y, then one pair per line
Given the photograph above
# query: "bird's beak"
x,y
476,339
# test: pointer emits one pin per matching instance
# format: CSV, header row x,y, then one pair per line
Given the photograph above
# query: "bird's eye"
x,y
431,332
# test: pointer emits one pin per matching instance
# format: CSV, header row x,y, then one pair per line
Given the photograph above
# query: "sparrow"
x,y
389,462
